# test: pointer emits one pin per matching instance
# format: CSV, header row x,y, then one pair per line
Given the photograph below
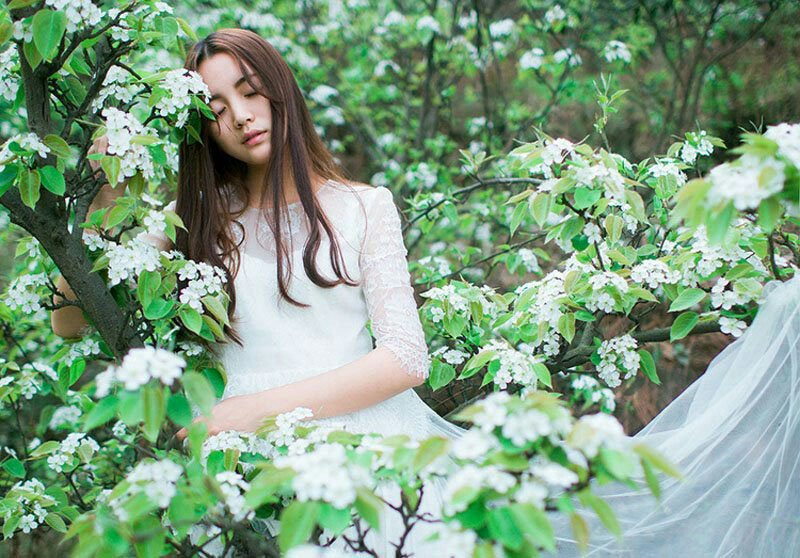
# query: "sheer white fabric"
x,y
735,434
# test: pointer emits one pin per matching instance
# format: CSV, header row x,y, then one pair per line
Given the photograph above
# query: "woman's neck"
x,y
255,182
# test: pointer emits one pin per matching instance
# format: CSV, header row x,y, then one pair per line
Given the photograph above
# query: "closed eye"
x,y
223,108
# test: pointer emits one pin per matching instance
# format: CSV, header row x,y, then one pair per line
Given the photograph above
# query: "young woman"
x,y
310,259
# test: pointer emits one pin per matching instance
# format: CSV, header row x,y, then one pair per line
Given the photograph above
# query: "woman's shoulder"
x,y
368,194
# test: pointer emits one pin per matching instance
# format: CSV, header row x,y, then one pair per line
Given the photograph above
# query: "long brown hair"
x,y
203,202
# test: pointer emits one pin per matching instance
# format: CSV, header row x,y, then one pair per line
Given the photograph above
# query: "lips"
x,y
253,138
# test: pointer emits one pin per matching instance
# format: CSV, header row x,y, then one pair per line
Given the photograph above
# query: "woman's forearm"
x,y
366,381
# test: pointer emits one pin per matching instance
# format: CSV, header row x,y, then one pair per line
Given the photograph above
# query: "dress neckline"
x,y
325,185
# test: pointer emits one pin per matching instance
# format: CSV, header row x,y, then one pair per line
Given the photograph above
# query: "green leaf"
x,y
682,325
566,326
58,146
54,520
48,29
540,208
111,166
191,318
334,519
651,478
441,375
503,528
29,187
517,216
298,520
534,525
369,507
158,308
543,373
199,390
178,409
14,467
428,451
155,409
53,180
602,509
214,305
45,449
648,365
688,298
8,175
717,223
586,197
580,529
657,460
101,413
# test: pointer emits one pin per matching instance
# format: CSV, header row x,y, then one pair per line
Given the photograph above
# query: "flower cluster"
x,y
325,473
515,366
695,144
787,136
79,442
22,294
27,142
618,354
243,442
712,257
532,59
117,85
726,295
126,261
589,389
121,127
157,479
84,348
233,487
204,279
138,367
591,432
66,414
617,50
80,13
607,286
732,326
30,378
9,82
654,273
471,478
29,499
179,86
746,182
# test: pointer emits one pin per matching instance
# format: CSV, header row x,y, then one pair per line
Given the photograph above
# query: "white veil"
x,y
735,435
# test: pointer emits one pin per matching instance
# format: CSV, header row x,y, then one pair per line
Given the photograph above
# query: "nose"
x,y
241,114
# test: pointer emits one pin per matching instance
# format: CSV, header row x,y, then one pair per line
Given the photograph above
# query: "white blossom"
x,y
322,94
428,23
654,273
204,279
67,449
157,479
592,431
567,55
80,13
23,294
138,367
532,59
618,355
181,85
554,15
732,326
121,127
746,182
617,50
786,135
9,80
64,415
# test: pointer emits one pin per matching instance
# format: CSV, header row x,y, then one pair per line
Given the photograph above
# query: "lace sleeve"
x,y
387,287
160,240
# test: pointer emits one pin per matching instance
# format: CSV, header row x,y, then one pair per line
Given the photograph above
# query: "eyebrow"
x,y
235,85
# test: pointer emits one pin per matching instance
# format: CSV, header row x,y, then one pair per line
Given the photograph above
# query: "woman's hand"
x,y
243,413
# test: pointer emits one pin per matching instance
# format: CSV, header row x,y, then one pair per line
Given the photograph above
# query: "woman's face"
x,y
239,108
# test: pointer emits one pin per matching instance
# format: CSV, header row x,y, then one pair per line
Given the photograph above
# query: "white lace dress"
x,y
283,343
